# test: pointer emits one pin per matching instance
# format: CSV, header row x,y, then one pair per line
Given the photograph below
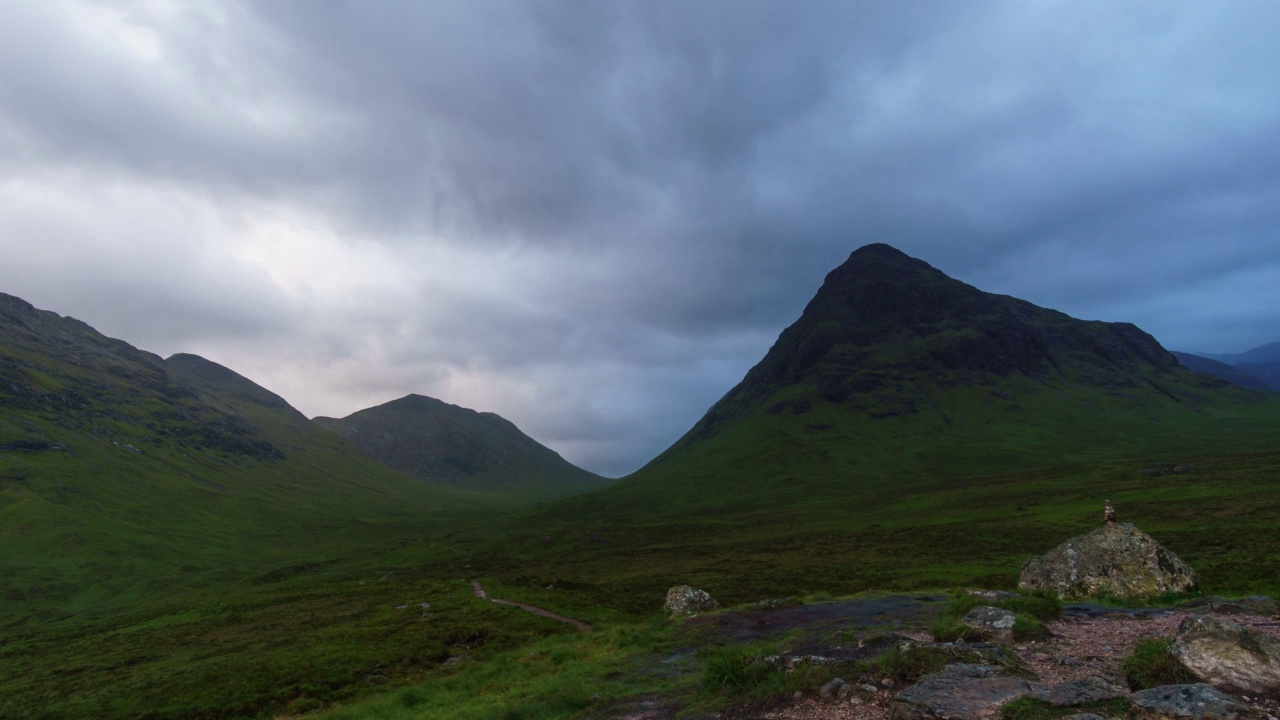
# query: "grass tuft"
x,y
1151,665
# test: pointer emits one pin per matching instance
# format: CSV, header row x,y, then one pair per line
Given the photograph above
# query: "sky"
x,y
594,217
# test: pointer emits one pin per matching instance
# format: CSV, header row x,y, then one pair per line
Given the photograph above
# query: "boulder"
x,y
1186,702
960,692
831,689
684,600
1228,656
1116,559
995,624
1074,693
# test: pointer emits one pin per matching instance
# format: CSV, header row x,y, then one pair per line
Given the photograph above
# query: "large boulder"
x,y
1186,702
1228,656
685,600
1116,559
960,692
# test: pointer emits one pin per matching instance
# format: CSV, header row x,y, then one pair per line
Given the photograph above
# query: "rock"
x,y
995,624
831,689
1082,716
1186,702
1252,605
1080,692
788,663
1116,559
684,600
868,689
1228,656
960,692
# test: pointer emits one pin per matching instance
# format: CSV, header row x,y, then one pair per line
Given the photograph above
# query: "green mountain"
x,y
123,473
443,443
912,430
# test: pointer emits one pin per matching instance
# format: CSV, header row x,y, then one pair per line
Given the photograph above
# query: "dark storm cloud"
x,y
594,217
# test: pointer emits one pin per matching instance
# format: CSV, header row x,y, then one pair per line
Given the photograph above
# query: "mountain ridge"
x,y
445,443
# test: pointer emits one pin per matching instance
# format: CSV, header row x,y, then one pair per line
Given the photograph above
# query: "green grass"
x,y
1151,665
1028,708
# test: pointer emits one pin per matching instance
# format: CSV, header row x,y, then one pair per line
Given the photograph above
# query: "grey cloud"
x,y
661,185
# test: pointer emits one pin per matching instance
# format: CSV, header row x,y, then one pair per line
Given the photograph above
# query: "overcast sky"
x,y
592,217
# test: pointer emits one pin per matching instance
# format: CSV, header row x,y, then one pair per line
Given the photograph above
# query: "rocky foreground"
x,y
1076,669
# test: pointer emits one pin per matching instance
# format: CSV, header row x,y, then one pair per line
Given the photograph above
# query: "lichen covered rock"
x,y
993,623
685,600
1228,656
1186,702
1116,559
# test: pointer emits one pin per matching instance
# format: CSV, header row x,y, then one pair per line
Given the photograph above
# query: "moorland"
x,y
179,542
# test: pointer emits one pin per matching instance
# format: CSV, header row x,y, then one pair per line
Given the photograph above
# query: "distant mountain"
x,y
1261,362
1269,353
120,470
443,443
1230,373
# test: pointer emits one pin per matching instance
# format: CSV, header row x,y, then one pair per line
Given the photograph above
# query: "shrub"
x,y
736,668
1151,665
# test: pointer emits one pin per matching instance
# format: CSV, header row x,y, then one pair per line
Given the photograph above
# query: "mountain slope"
x,y
121,473
895,370
443,443
911,431
1222,371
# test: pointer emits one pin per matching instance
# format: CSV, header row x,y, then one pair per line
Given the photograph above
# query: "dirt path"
x,y
540,612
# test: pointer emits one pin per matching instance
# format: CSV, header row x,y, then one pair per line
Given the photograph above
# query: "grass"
x,y
1151,665
1028,708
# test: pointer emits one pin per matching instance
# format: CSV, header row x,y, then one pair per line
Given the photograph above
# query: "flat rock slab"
x,y
1080,692
961,692
1186,702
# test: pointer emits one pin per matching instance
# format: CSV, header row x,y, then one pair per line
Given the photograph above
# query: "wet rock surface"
x,y
960,692
1074,693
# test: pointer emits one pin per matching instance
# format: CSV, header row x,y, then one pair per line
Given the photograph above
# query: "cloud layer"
x,y
593,218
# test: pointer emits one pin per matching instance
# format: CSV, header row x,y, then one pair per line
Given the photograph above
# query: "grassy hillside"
x,y
912,431
443,443
173,537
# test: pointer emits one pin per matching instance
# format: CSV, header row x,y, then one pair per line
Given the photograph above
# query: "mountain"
x,y
896,376
911,431
1261,362
1264,354
443,443
1230,373
121,471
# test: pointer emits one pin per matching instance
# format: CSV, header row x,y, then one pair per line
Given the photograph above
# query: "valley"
x,y
179,542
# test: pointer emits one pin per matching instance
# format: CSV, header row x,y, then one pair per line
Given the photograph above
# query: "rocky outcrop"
x,y
993,623
1228,656
959,692
1116,559
685,600
1186,702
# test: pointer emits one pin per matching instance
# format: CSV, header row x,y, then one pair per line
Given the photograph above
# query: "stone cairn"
x,y
1108,512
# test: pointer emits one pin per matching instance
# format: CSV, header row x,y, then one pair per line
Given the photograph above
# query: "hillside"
x,y
443,443
175,539
909,430
1261,363
1222,371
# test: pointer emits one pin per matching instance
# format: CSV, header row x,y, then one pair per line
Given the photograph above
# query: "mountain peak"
x,y
887,331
